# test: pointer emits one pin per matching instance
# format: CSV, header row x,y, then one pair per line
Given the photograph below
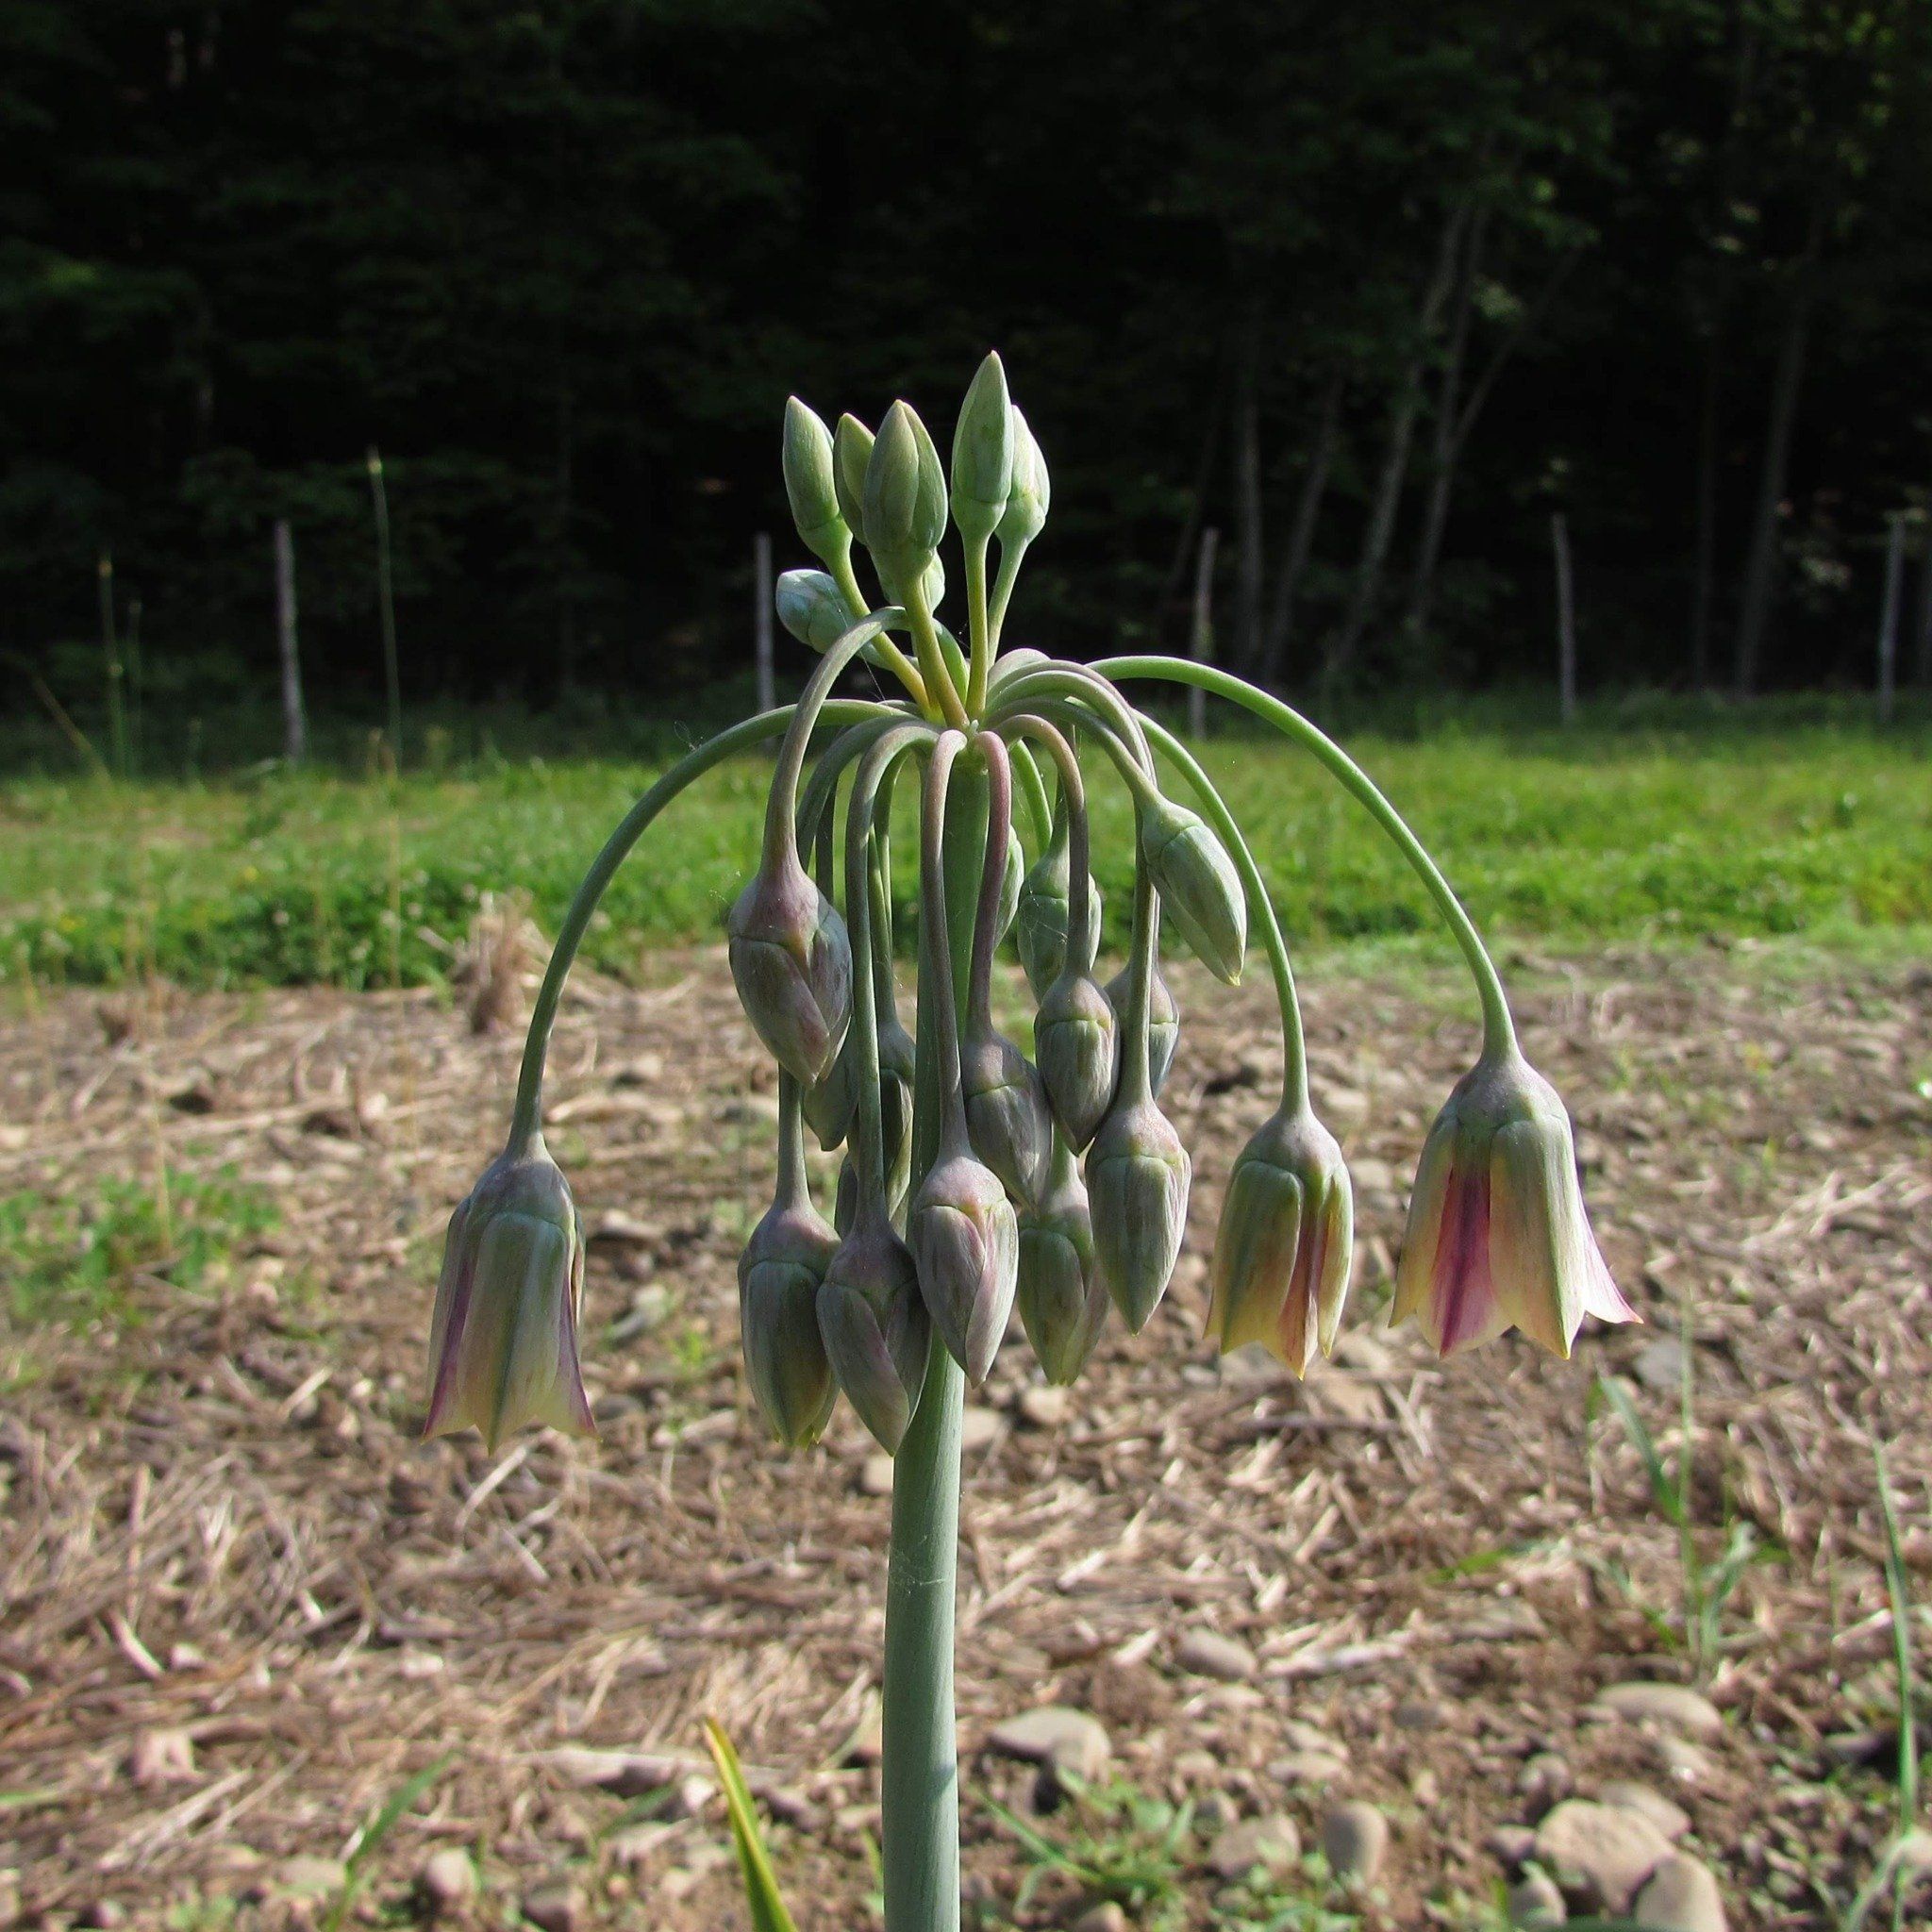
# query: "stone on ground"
x,y
1207,1654
1681,1896
449,1879
1598,1854
1536,1903
1272,1844
1355,1840
1057,1736
1665,1813
1675,1706
555,1907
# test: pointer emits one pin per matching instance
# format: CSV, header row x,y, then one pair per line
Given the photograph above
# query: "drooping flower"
x,y
874,1327
1282,1256
502,1340
1498,1236
1063,1301
792,960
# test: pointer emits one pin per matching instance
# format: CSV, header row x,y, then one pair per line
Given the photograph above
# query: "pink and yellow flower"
x,y
502,1342
1498,1236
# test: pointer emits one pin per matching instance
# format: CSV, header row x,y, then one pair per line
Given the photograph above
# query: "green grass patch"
x,y
1660,831
88,1257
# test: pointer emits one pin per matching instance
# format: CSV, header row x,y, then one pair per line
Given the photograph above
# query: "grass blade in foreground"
x,y
768,1913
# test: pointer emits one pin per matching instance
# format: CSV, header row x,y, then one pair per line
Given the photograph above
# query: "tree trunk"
x,y
1888,621
1247,488
1189,543
1703,544
1300,535
295,727
1921,657
1380,529
1760,568
1444,437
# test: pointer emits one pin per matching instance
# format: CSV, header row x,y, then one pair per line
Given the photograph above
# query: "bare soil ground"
x,y
240,1604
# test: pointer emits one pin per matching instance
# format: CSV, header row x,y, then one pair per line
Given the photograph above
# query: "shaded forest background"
x,y
1371,290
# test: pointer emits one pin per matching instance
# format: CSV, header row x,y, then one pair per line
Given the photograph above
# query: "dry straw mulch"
x,y
240,1604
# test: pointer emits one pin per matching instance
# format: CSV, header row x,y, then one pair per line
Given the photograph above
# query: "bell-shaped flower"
x,y
503,1340
792,960
1200,891
1045,909
1498,1236
1286,1242
967,1245
1063,1301
1138,1176
1007,1112
874,1326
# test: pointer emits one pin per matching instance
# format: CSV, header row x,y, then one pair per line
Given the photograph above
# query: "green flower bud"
x,y
785,1361
1025,515
904,501
1163,1022
812,609
1076,1043
1045,903
1011,883
876,1327
845,1199
983,454
1137,1174
933,583
967,1245
831,1101
1198,884
1281,1260
792,960
808,484
1007,1113
1063,1299
851,452
503,1340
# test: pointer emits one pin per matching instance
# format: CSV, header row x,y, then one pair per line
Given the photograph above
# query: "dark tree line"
x,y
1371,290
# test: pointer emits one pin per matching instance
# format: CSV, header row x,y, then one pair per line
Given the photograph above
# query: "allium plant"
x,y
975,1179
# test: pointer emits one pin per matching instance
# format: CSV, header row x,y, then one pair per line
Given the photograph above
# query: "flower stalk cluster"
x,y
983,1173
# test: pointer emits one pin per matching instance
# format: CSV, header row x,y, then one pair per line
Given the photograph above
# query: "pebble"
x,y
556,1906
1599,1855
1307,1768
1659,1364
1536,1904
161,1758
1628,1795
875,1476
1513,1845
1675,1706
1043,1406
1355,1840
1104,1917
1417,1714
449,1880
1544,1780
1207,1654
311,1877
1272,1844
1192,1768
1681,1896
1215,1812
1056,1735
103,1915
979,1428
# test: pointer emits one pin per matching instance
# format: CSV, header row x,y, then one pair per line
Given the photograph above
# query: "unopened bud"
x,y
792,960
1012,882
503,1340
875,1326
1282,1256
1076,1043
983,454
967,1245
1062,1298
1163,1022
1137,1174
1198,884
809,483
810,606
851,452
1045,905
1025,515
778,1277
905,498
1007,1114
830,1101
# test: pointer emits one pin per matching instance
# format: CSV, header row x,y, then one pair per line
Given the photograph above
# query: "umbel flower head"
x,y
1498,1236
503,1341
1286,1243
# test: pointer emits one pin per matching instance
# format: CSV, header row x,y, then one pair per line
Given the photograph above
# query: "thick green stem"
x,y
1295,1051
979,643
920,1769
529,1102
1038,807
1499,1030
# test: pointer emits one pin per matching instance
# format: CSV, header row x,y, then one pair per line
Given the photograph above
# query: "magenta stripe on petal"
x,y
1465,1292
442,1394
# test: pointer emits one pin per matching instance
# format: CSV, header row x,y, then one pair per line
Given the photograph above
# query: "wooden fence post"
x,y
1566,620
1887,617
762,618
295,727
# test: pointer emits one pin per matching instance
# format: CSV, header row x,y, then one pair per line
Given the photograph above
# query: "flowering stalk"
x,y
964,1188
